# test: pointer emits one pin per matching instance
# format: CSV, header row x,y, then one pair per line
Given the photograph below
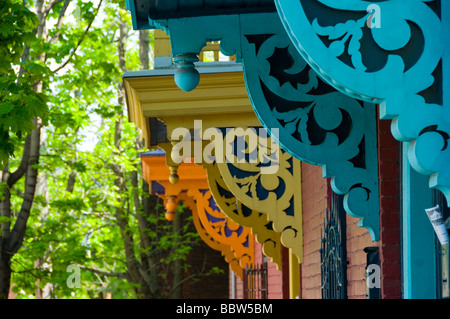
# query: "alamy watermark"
x,y
374,20
74,279
226,145
373,276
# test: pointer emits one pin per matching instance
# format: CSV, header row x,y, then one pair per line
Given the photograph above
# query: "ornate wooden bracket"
x,y
222,229
150,96
268,181
314,122
235,210
394,53
234,241
256,178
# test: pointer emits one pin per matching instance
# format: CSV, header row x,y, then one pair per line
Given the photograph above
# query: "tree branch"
x,y
50,6
58,25
30,271
123,275
5,211
16,237
15,176
79,41
71,181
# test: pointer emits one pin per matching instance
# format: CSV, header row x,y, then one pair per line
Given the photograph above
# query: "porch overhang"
x,y
147,13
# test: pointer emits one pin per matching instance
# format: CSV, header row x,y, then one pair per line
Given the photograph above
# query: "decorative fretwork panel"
x,y
398,62
314,122
235,210
270,183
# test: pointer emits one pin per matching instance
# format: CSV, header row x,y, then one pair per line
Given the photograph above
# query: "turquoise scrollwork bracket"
x,y
316,123
402,63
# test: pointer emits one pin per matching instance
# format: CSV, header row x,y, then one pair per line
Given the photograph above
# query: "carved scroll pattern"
x,y
235,242
225,249
232,213
222,229
235,210
315,123
269,183
400,65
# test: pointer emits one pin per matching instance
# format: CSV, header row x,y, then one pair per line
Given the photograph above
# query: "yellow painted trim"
x,y
135,113
294,276
289,226
298,204
256,221
220,100
287,229
162,43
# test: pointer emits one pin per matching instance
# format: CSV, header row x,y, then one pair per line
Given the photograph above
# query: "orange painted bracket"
x,y
235,242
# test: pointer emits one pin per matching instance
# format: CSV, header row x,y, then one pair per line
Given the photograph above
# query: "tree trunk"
x,y
5,272
177,266
120,214
144,46
149,203
11,240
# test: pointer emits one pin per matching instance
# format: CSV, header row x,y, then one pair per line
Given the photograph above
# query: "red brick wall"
x,y
239,286
357,239
315,191
274,281
274,276
389,243
388,163
314,196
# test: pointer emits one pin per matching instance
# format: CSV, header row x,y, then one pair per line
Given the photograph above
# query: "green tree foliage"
x,y
19,102
91,213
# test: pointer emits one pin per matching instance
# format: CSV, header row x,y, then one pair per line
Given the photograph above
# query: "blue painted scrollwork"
x,y
315,123
401,63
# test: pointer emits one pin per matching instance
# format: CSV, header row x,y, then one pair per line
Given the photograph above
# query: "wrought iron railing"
x,y
255,282
333,255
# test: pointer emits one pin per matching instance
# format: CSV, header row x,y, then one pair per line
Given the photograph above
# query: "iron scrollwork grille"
x,y
255,282
333,254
